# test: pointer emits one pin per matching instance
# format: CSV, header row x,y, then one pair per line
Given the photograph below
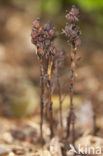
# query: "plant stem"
x,y
73,33
60,103
49,88
51,119
42,98
71,117
59,92
94,125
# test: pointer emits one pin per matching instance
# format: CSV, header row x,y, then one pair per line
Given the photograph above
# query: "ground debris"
x,y
55,147
4,151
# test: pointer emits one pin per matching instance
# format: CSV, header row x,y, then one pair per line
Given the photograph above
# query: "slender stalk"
x,y
73,128
49,99
72,78
59,95
60,102
71,117
51,119
42,98
94,125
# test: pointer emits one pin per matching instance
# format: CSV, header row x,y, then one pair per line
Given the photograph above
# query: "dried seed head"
x,y
72,16
42,37
71,29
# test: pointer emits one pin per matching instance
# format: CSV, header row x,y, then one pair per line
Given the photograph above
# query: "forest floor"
x,y
21,137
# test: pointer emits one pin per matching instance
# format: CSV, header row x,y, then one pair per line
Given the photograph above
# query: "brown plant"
x,y
42,37
73,33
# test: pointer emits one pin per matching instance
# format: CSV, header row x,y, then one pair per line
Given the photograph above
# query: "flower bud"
x,y
36,23
40,52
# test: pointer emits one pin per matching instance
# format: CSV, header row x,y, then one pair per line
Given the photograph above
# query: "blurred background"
x,y
19,70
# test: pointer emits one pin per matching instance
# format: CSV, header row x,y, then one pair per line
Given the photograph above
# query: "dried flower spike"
x,y
73,34
42,37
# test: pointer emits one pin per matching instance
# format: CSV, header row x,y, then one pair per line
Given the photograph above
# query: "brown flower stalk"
x,y
43,37
50,63
73,33
37,39
50,34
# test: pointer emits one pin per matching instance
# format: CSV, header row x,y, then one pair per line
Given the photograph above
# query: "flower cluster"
x,y
72,30
42,37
